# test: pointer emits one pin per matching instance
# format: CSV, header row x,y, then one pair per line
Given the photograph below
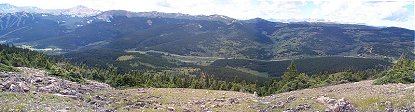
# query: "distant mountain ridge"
x,y
213,35
83,11
80,11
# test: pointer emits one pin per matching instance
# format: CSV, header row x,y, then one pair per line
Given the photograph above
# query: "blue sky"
x,y
375,13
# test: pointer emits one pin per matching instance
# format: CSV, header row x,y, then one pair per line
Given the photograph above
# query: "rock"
x,y
343,82
326,100
204,108
289,110
52,88
23,87
331,101
39,74
148,97
278,105
50,81
98,97
98,103
158,107
140,90
327,110
62,110
13,88
219,100
140,104
110,110
389,110
386,104
307,106
68,92
341,105
37,80
7,84
2,75
188,110
233,101
92,102
69,96
302,107
216,106
171,109
199,102
153,102
291,98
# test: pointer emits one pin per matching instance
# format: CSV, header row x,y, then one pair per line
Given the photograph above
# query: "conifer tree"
x,y
291,73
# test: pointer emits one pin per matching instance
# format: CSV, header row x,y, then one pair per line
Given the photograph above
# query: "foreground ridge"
x,y
32,89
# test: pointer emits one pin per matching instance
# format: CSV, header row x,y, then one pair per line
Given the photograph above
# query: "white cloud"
x,y
342,11
370,13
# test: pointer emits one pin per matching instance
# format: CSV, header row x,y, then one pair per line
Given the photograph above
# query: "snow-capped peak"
x,y
7,8
80,11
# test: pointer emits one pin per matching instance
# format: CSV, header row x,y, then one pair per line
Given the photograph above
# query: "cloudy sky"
x,y
375,13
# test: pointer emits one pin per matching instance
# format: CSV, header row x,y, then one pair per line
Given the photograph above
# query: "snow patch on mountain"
x,y
77,11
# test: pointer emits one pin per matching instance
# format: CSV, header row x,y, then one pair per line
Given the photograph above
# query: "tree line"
x,y
292,79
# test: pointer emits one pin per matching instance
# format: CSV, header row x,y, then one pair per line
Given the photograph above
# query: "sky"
x,y
374,13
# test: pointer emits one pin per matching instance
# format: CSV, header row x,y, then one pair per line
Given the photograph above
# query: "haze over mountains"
x,y
81,29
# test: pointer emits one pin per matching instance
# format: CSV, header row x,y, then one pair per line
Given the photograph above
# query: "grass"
x,y
205,61
368,98
253,72
10,101
125,58
144,64
363,95
5,68
374,103
180,99
368,103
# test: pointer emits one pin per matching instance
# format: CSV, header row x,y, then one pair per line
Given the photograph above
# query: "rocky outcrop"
x,y
334,105
37,81
33,84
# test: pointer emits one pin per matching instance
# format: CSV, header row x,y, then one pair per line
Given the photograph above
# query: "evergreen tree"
x,y
291,73
403,71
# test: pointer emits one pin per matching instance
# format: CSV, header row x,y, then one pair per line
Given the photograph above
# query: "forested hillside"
x,y
307,65
291,79
11,56
16,57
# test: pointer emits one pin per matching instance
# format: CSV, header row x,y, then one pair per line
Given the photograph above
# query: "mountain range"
x,y
80,11
81,29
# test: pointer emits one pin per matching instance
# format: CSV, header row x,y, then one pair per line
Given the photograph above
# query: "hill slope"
x,y
363,96
360,96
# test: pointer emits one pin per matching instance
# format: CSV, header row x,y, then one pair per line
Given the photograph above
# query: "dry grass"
x,y
125,58
15,102
363,95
